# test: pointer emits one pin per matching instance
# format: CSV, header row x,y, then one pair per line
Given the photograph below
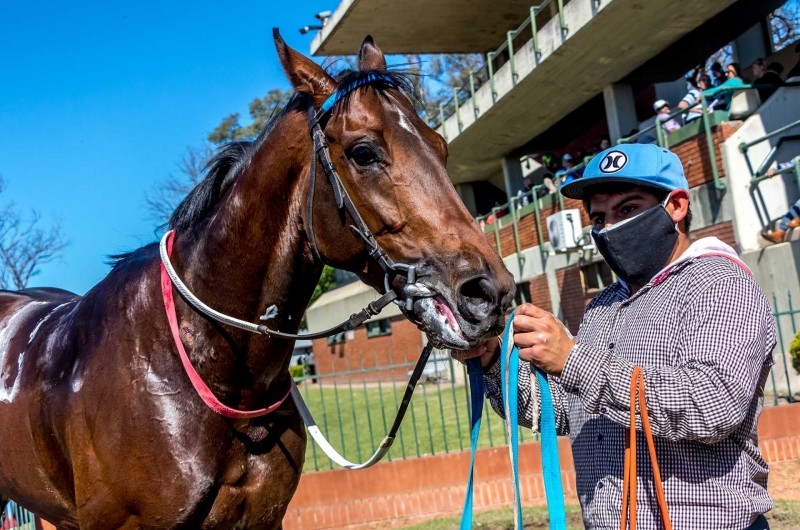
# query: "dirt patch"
x,y
784,480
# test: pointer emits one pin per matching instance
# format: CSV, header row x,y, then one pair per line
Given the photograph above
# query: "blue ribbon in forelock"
x,y
342,92
551,466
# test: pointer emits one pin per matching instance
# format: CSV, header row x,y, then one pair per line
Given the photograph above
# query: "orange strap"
x,y
629,471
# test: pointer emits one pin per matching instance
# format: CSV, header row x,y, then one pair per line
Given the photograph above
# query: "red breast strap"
x,y
202,389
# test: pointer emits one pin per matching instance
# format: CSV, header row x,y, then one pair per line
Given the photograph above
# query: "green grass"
x,y
785,516
436,422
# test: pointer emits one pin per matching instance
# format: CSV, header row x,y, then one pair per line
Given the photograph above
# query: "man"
x,y
662,113
692,98
691,316
790,219
766,75
717,77
566,175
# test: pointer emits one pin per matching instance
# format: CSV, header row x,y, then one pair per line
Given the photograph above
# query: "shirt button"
x,y
603,410
600,485
599,437
611,346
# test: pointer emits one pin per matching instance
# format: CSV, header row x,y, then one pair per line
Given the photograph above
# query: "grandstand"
x,y
559,77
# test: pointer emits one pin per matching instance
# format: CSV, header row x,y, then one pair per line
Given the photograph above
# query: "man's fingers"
x,y
523,324
526,340
531,311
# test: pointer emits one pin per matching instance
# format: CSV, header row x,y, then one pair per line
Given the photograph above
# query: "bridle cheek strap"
x,y
199,385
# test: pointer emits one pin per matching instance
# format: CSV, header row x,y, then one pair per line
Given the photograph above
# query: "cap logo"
x,y
613,162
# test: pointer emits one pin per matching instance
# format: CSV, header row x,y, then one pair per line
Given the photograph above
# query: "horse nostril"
x,y
479,291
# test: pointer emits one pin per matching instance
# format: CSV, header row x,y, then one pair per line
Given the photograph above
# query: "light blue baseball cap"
x,y
636,164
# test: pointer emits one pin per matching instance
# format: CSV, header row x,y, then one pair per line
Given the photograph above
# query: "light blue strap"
x,y
509,374
551,466
342,92
475,371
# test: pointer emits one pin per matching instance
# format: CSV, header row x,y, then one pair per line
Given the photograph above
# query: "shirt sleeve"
x,y
530,404
725,347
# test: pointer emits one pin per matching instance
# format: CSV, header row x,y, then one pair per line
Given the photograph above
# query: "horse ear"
x,y
370,57
306,76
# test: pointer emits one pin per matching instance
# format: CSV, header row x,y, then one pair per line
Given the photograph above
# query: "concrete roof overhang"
x,y
603,46
420,26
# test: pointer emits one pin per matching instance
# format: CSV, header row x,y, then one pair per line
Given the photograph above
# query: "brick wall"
x,y
723,231
403,345
540,292
573,298
405,491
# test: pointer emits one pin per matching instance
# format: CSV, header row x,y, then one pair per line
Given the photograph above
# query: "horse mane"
x,y
232,158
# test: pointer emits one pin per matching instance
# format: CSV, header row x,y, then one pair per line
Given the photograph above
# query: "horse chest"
x,y
259,478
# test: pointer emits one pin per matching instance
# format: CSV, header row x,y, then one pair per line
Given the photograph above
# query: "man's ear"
x,y
678,205
306,76
370,57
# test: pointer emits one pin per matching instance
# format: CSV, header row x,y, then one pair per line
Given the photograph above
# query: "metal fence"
x,y
15,516
354,408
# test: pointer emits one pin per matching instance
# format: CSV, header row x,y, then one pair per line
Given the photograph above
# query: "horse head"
x,y
392,165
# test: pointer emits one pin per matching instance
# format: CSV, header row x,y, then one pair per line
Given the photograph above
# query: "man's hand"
x,y
542,339
487,350
771,172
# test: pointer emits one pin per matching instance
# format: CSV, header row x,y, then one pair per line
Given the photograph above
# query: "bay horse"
x,y
100,426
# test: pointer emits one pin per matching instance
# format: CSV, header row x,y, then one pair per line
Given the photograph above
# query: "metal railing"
x,y
494,60
354,407
16,517
783,364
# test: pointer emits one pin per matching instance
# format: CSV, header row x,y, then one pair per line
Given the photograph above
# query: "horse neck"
x,y
249,254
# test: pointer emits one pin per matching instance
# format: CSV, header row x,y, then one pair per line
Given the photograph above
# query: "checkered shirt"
x,y
704,336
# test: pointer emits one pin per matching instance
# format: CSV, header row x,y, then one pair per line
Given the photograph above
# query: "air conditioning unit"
x,y
565,230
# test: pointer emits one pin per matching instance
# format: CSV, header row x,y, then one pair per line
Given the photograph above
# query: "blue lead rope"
x,y
551,467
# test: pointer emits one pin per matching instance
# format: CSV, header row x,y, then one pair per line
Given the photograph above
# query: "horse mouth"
x,y
440,323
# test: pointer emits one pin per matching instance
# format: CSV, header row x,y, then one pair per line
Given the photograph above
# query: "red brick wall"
x,y
402,346
723,231
405,491
573,299
540,293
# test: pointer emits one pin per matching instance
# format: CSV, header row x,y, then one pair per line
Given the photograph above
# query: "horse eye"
x,y
363,155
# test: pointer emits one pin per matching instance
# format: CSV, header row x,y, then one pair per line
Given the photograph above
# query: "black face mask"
x,y
637,248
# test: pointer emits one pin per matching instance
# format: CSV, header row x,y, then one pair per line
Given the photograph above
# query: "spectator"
x,y
549,186
795,71
766,76
720,98
566,175
717,77
581,156
662,114
791,219
692,98
605,143
524,193
550,163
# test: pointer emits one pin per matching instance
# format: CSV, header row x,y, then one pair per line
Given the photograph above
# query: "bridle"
x,y
317,119
411,290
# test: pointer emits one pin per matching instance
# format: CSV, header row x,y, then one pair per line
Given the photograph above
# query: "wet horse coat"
x,y
99,424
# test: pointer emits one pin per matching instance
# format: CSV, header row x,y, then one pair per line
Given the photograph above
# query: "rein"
x,y
411,290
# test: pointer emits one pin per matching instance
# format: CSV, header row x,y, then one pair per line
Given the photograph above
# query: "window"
x,y
378,328
596,276
336,339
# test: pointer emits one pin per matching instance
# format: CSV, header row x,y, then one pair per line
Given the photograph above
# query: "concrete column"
x,y
752,44
467,194
512,175
620,110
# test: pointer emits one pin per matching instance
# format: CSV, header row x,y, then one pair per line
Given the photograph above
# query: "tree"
x,y
261,110
785,24
165,196
25,246
326,282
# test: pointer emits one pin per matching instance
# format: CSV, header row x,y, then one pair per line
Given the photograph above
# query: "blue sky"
x,y
98,100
